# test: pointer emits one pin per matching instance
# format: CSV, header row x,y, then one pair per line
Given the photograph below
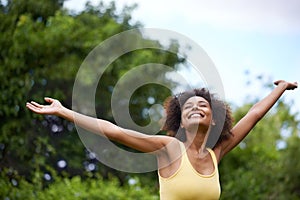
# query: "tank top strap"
x,y
182,148
213,156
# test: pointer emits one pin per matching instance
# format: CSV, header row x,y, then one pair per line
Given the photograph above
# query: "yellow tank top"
x,y
187,183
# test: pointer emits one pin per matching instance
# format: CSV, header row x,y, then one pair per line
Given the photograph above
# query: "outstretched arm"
x,y
257,111
130,138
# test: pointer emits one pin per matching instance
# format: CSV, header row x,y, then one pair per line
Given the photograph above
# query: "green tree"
x,y
77,188
264,165
42,48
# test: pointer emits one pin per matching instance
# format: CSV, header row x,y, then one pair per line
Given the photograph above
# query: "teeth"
x,y
195,115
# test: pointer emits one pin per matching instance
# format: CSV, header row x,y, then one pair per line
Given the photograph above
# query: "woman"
x,y
187,168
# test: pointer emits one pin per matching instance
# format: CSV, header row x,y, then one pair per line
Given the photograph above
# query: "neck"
x,y
196,140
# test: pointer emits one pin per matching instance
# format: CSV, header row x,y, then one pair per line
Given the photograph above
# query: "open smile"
x,y
196,115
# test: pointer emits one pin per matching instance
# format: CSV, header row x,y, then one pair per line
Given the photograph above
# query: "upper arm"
x,y
240,131
244,126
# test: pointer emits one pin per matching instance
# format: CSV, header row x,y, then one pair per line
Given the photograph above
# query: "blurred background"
x,y
257,38
42,46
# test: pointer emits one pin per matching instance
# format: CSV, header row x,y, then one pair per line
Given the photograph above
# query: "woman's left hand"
x,y
289,85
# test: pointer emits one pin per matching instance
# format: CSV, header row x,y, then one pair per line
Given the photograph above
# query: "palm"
x,y
53,108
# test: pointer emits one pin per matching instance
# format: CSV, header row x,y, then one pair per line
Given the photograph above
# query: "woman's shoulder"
x,y
168,140
217,151
172,146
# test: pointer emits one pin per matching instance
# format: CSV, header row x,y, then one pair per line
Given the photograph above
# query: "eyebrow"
x,y
201,101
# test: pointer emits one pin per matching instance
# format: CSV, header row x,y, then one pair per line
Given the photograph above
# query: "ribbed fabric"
x,y
187,184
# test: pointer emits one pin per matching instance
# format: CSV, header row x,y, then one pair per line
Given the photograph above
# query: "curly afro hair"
x,y
221,116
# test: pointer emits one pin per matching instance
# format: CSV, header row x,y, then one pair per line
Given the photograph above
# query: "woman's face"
x,y
196,112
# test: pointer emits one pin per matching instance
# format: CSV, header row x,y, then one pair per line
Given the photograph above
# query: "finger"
x,y
30,106
36,104
292,86
33,108
296,84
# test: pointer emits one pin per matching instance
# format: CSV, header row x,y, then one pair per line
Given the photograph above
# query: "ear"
x,y
181,126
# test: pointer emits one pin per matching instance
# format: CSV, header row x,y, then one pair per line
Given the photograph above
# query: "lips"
x,y
196,115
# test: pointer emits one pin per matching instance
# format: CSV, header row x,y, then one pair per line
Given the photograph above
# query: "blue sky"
x,y
260,36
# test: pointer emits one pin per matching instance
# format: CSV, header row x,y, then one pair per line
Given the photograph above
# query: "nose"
x,y
195,107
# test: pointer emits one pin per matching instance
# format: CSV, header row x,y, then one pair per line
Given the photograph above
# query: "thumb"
x,y
277,82
49,100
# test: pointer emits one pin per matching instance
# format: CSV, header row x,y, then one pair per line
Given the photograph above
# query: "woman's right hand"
x,y
53,109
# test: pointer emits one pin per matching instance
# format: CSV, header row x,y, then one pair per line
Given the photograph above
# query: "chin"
x,y
198,125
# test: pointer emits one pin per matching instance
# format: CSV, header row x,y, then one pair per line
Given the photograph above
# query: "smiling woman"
x,y
221,114
187,169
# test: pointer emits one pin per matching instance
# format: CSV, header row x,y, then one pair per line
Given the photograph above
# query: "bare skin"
x,y
196,113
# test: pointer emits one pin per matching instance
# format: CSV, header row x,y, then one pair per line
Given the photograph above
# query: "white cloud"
x,y
256,15
268,15
232,51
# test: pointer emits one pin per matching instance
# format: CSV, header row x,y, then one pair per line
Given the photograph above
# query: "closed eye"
x,y
188,106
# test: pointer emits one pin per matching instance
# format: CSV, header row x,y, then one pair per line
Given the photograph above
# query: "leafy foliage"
x,y
76,188
42,48
264,165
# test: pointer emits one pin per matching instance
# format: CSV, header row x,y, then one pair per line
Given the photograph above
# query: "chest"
x,y
202,165
192,181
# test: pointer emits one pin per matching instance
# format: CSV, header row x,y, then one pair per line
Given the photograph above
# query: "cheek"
x,y
183,118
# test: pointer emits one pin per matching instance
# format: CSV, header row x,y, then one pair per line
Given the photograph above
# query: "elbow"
x,y
108,130
256,113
